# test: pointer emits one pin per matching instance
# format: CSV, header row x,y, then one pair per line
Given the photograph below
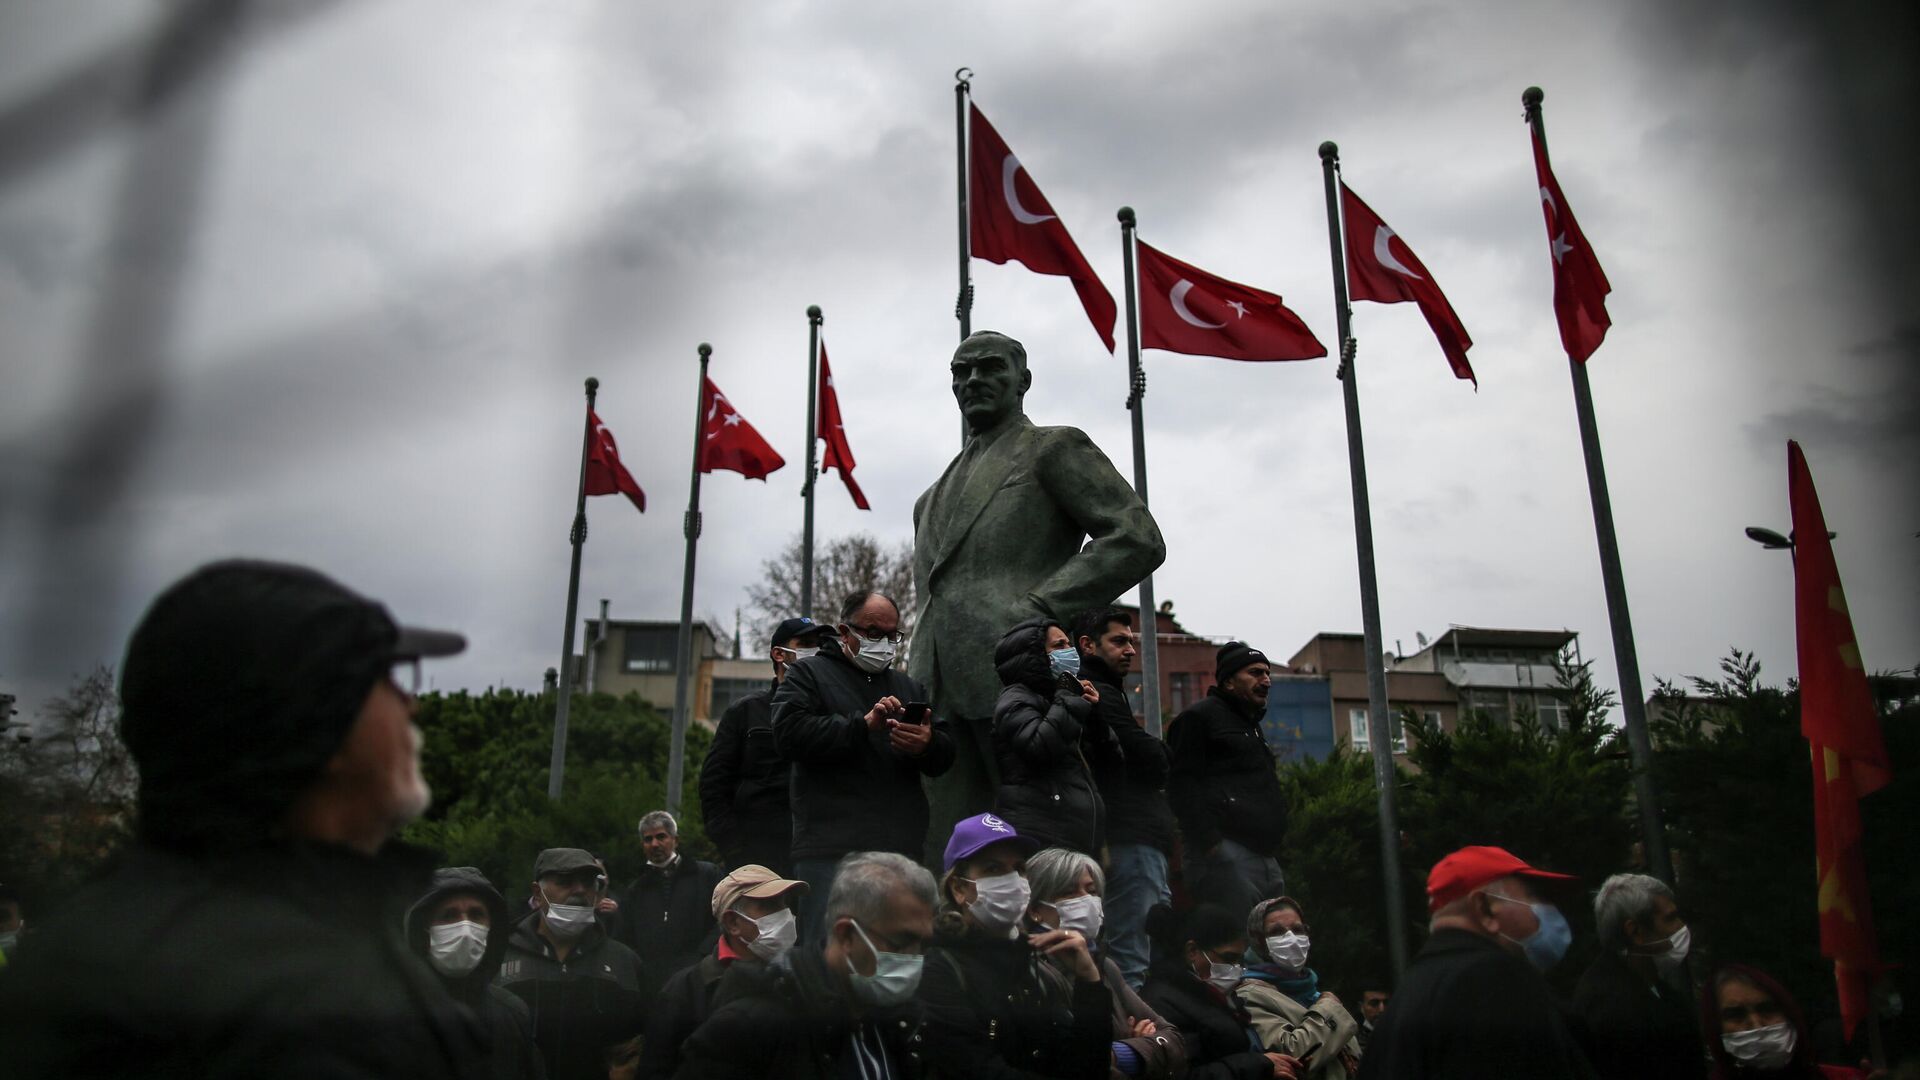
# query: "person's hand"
x,y
887,708
1087,691
1284,1067
1069,949
1140,1029
909,739
607,905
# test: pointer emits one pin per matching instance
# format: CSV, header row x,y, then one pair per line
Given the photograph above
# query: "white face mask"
x,y
567,922
1083,914
999,901
778,932
1289,950
1225,976
1676,950
874,656
895,978
1770,1047
454,949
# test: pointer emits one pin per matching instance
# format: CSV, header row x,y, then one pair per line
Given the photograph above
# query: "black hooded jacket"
x,y
1043,730
1133,782
282,961
1223,783
507,1018
851,790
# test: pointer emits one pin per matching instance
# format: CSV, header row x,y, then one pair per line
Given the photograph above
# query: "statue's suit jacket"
x,y
1006,545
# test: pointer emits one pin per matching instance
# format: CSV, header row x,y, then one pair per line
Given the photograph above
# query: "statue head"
x,y
990,378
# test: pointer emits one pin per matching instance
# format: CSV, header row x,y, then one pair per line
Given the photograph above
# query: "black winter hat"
x,y
239,684
1233,656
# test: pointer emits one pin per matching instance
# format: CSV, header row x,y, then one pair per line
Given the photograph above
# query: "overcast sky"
x,y
321,282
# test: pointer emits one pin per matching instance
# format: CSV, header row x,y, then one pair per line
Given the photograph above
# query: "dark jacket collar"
x,y
1095,670
1240,708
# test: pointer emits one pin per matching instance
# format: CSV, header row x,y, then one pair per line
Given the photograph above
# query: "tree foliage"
x,y
841,567
66,792
486,757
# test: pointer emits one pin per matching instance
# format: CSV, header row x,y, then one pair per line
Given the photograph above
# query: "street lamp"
x,y
1773,541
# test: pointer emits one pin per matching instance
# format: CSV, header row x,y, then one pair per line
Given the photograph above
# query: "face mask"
x,y
1289,949
1676,951
874,656
999,901
1225,976
895,975
454,949
1082,913
8,940
567,921
1546,945
802,654
778,932
1770,1047
1064,661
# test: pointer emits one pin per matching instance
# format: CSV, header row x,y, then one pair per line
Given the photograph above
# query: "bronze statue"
x,y
998,539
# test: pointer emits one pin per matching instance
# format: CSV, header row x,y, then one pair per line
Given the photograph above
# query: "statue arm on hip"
x,y
1123,543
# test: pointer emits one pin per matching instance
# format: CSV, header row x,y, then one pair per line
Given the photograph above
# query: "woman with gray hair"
x,y
1066,888
1630,1007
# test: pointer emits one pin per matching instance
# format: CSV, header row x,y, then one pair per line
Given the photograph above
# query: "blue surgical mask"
x,y
895,978
1064,661
1546,945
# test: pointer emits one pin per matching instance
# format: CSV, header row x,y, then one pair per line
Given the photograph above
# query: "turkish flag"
x,y
1849,758
1009,220
839,454
1580,287
1383,269
1184,309
605,474
727,441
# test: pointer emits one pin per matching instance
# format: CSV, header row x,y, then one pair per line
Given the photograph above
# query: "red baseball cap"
x,y
1471,868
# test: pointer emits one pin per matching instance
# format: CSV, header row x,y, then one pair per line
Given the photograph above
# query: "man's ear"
x,y
1026,380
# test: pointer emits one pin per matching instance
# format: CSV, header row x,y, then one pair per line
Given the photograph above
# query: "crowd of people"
x,y
253,930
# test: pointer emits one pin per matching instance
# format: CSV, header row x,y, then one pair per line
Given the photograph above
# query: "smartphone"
x,y
917,712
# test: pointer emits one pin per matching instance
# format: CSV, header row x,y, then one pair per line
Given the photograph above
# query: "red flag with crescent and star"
x,y
1010,221
1184,309
605,474
727,441
1849,757
1580,287
839,455
1383,269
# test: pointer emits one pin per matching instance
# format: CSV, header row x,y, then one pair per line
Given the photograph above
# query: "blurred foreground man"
x,y
460,929
583,986
254,929
1474,1002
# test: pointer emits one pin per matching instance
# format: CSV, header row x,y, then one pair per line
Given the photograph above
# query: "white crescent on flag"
x,y
1385,257
1178,294
1020,213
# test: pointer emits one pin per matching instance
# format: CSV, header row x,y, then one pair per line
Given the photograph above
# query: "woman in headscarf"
x,y
1282,995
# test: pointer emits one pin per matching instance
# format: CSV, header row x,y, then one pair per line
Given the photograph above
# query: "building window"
x,y
726,691
1399,734
1357,731
649,648
1552,712
1180,689
1433,720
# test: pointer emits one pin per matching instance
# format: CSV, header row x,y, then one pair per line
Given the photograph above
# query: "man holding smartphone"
x,y
842,718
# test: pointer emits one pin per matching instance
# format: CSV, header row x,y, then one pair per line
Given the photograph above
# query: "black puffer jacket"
x,y
851,790
1042,728
1223,783
1133,782
790,1020
506,1016
996,1011
1218,1039
744,793
282,961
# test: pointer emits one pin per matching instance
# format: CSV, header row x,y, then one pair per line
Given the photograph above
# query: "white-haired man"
x,y
1473,1003
1631,1007
665,913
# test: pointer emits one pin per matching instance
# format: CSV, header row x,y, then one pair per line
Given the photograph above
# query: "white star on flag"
x,y
1561,247
1238,307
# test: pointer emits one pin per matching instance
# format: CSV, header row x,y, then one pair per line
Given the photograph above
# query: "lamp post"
x,y
1773,541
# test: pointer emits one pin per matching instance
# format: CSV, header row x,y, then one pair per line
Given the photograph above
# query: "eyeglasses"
x,y
874,633
405,675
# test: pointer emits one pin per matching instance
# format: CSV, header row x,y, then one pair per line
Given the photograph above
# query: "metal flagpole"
x,y
1633,702
556,769
1137,389
963,307
683,651
813,443
1379,732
